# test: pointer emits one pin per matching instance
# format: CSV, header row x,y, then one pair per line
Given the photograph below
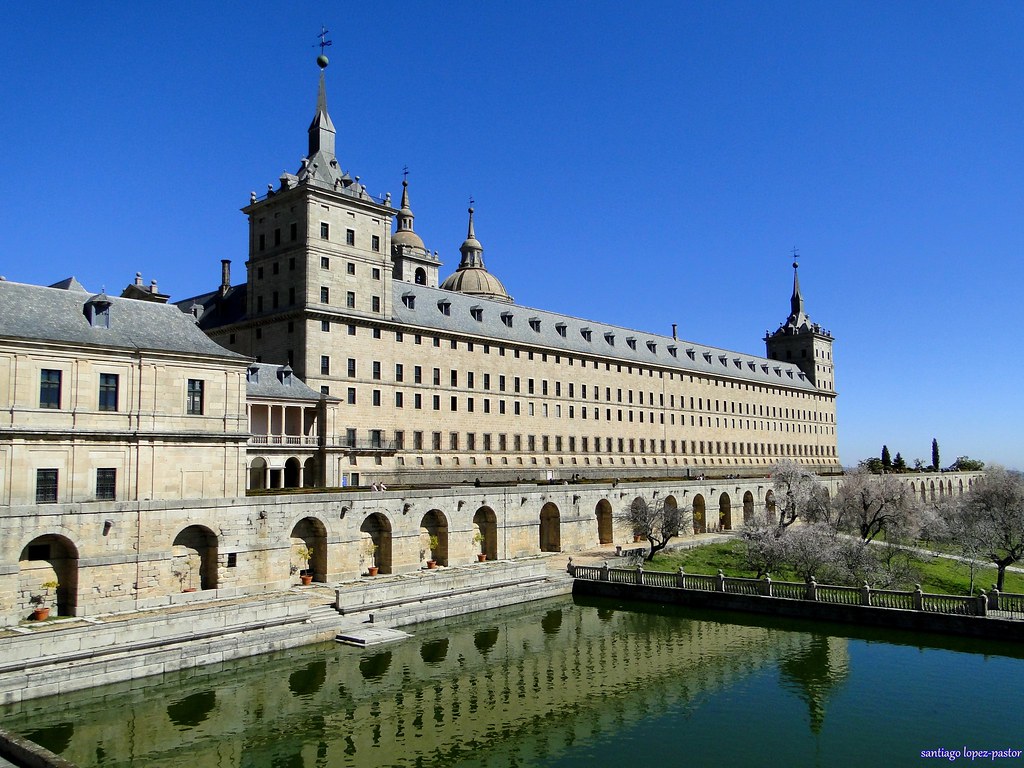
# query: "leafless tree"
x,y
797,493
656,521
994,511
950,521
812,550
765,546
868,504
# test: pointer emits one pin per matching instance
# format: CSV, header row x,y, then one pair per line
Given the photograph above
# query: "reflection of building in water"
x,y
814,670
530,681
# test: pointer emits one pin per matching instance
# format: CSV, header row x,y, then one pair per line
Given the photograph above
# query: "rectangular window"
x,y
417,441
350,437
399,372
194,404
375,303
106,484
325,326
417,401
351,367
436,402
325,295
469,380
398,400
350,237
46,486
351,395
471,441
350,300
325,230
376,370
108,391
49,389
325,365
400,440
453,441
417,374
437,377
436,441
350,268
376,397
325,262
375,243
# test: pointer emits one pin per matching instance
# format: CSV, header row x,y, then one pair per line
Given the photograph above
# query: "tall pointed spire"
x,y
321,130
471,250
404,234
796,303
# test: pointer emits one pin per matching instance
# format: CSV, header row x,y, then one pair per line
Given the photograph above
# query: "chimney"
x,y
674,337
138,279
225,276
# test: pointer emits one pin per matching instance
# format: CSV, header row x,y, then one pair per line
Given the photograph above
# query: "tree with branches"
x,y
797,493
870,504
995,510
657,521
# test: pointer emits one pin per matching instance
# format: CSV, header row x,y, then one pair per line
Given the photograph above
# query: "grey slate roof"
x,y
605,340
59,314
277,382
218,310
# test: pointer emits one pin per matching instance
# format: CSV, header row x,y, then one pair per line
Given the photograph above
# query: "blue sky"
x,y
636,163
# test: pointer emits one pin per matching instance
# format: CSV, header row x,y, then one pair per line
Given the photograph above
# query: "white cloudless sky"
x,y
641,164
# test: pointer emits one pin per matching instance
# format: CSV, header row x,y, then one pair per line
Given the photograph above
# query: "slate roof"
x,y
218,310
536,327
59,314
277,382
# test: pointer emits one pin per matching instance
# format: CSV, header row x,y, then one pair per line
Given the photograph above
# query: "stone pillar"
x,y
720,581
812,589
918,598
865,594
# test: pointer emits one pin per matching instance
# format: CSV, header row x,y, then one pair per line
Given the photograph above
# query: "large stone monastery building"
x,y
453,381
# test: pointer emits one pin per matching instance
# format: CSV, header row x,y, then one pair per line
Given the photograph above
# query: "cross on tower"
x,y
405,173
324,42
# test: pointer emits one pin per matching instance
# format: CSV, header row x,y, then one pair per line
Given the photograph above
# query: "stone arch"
x,y
485,532
292,472
194,558
44,560
258,474
924,490
637,508
550,529
375,542
769,508
700,523
311,473
931,489
748,507
960,484
420,276
605,529
434,525
310,534
724,512
949,487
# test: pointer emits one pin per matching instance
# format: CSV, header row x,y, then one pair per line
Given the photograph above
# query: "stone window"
x,y
325,295
194,402
106,484
375,246
325,262
325,231
46,486
350,268
350,300
350,237
108,391
325,365
351,395
49,388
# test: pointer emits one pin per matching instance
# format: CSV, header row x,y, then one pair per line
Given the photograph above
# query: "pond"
x,y
565,682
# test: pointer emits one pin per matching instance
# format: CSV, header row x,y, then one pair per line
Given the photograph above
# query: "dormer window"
x,y
97,311
445,306
653,347
707,356
506,318
253,374
764,368
610,338
586,333
738,363
477,313
631,342
535,324
409,299
560,327
723,360
691,354
671,350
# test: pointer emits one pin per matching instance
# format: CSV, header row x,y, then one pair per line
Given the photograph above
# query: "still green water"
x,y
562,683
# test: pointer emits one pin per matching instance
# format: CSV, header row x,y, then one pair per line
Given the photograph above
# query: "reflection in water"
x,y
193,710
559,683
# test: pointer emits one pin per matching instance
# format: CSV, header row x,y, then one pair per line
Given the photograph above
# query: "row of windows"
x,y
350,236
571,361
51,392
47,482
472,441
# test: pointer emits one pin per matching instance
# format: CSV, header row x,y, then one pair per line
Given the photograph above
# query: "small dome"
x,y
407,237
475,281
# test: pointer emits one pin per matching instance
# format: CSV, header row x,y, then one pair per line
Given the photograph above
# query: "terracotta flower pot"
x,y
306,579
41,614
481,557
372,570
636,538
431,564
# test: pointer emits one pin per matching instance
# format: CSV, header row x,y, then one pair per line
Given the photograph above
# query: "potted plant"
x,y
478,539
41,612
433,543
305,554
369,552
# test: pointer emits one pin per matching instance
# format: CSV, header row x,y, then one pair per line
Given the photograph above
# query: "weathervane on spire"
x,y
322,60
471,201
796,256
405,173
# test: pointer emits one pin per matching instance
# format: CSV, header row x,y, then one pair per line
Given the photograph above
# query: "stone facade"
x,y
458,382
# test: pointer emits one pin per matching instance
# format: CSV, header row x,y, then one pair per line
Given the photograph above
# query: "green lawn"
x,y
938,575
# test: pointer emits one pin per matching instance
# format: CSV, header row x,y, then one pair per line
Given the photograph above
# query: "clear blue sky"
x,y
636,163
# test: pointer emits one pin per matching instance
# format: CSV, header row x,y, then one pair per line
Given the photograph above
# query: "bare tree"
x,y
811,550
995,506
951,521
765,546
657,521
869,504
797,492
